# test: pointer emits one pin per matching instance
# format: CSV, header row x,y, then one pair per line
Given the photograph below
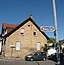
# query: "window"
x,y
18,45
5,32
28,25
38,45
22,31
35,33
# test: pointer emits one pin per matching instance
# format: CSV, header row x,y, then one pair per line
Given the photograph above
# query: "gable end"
x,y
29,19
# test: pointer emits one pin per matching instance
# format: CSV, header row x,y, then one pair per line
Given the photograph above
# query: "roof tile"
x,y
9,25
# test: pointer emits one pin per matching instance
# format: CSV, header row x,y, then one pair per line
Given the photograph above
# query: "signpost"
x,y
53,29
56,33
12,46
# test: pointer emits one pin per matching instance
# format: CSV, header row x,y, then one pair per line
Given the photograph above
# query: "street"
x,y
22,62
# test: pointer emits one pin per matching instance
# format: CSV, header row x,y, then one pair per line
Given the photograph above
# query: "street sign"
x,y
54,33
12,46
47,28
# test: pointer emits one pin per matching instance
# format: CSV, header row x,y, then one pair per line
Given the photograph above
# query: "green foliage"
x,y
51,40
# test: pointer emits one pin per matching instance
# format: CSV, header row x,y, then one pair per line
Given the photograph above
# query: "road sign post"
x,y
56,34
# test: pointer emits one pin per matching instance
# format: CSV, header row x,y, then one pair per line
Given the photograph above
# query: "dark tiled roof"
x,y
29,19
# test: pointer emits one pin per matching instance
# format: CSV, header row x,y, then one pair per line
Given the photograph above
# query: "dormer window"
x,y
22,31
6,31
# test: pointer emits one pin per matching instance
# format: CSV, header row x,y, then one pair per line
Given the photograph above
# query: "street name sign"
x,y
47,28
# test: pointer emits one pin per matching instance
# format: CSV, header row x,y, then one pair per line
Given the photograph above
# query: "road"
x,y
22,62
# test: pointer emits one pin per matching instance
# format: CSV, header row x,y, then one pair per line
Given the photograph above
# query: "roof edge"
x,y
23,24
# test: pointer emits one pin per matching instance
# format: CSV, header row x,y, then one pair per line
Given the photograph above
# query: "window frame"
x,y
16,46
22,31
35,33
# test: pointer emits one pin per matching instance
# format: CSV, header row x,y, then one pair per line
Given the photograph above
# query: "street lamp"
x,y
56,34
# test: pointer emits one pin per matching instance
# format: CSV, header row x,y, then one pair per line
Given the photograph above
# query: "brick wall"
x,y
28,40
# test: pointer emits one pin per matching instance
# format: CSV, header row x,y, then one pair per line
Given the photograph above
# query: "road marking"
x,y
37,62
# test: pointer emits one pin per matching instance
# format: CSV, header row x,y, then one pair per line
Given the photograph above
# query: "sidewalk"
x,y
8,59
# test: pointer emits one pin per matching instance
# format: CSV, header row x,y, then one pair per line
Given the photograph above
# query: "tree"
x,y
51,40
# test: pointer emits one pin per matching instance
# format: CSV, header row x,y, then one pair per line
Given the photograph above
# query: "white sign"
x,y
12,46
50,44
51,51
47,28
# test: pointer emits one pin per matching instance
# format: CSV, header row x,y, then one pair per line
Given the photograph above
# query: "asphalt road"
x,y
22,62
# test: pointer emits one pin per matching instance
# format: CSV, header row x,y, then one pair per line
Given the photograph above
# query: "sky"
x,y
16,11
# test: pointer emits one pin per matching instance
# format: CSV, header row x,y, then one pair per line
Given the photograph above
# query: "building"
x,y
0,45
61,41
62,44
20,40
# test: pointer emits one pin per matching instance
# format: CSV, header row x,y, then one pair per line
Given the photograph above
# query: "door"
x,y
38,45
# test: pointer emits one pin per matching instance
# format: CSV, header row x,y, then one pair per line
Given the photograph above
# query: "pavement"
x,y
22,62
4,61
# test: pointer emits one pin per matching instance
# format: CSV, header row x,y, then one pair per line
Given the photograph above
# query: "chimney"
x,y
30,16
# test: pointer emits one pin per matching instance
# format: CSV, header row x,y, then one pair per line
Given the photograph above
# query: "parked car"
x,y
53,57
35,56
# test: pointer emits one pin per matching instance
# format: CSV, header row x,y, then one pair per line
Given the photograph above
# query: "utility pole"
x,y
56,34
